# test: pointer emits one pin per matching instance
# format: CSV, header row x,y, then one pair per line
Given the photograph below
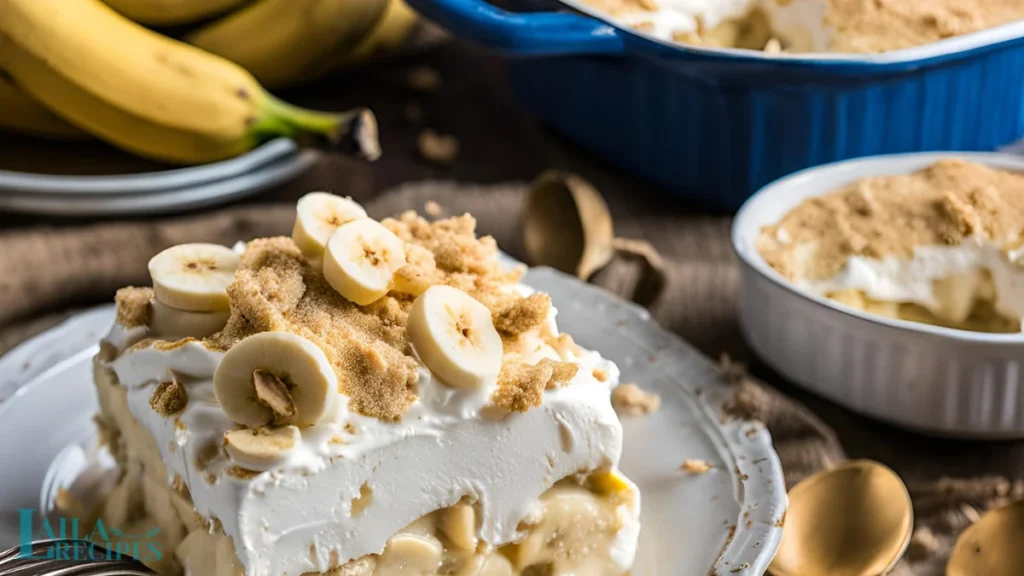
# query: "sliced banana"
x,y
459,525
487,565
260,448
195,553
410,555
275,378
361,260
194,277
364,566
454,336
227,560
576,529
318,215
610,482
955,295
173,324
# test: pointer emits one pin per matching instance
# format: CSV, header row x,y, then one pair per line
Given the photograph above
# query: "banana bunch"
x,y
171,12
74,68
281,41
20,113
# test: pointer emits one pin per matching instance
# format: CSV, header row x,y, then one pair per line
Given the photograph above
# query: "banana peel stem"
x,y
355,131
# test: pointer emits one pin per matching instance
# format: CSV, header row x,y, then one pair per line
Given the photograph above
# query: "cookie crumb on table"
x,y
432,208
441,149
632,401
424,79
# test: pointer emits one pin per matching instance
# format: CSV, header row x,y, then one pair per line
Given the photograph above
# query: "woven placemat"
x,y
85,265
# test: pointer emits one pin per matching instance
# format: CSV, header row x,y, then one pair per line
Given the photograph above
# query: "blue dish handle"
x,y
522,33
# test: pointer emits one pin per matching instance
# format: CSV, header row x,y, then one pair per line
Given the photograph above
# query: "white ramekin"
x,y
933,379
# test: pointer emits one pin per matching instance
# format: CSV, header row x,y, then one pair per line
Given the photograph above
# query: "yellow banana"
x,y
171,12
147,93
19,112
279,40
387,37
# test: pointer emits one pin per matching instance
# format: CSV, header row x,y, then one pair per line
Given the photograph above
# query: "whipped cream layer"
x,y
800,22
298,517
913,280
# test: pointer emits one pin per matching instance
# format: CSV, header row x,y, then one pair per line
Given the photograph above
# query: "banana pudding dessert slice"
x,y
940,246
362,399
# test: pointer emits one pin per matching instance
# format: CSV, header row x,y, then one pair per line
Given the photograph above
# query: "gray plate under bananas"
x,y
273,163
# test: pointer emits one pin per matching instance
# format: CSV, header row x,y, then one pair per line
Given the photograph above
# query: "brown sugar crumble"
x,y
521,386
632,401
275,288
242,473
169,398
522,315
696,467
942,204
133,306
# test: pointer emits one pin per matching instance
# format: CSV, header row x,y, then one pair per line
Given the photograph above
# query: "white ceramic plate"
x,y
726,521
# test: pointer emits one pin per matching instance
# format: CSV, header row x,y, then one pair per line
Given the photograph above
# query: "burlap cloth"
x,y
46,273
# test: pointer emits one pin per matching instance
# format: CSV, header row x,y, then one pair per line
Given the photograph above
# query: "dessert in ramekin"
x,y
362,399
853,26
941,245
925,334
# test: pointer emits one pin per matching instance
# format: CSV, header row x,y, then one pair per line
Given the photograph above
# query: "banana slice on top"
x,y
361,260
260,449
173,324
454,336
275,378
194,277
318,215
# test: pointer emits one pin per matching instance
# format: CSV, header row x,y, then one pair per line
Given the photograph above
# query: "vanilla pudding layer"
x,y
810,25
355,482
975,286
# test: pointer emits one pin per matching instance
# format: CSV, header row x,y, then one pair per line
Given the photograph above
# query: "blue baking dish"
x,y
714,125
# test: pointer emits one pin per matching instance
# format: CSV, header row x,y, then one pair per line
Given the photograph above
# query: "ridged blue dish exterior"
x,y
714,127
715,140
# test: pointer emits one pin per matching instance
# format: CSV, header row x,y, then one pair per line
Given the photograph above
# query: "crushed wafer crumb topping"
x,y
133,306
521,386
942,204
276,289
169,398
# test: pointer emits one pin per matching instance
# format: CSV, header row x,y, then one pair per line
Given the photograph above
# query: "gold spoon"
x,y
993,546
568,227
852,520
